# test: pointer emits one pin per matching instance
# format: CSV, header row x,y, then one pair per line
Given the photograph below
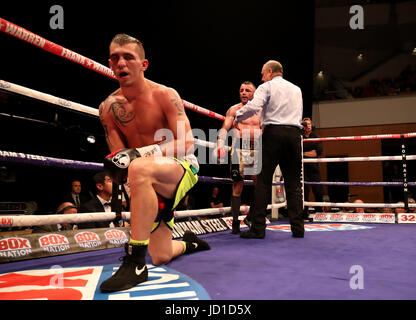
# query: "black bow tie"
x,y
107,204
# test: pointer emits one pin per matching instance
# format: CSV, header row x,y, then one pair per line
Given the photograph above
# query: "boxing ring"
x,y
343,256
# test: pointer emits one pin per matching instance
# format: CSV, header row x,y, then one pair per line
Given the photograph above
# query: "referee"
x,y
281,102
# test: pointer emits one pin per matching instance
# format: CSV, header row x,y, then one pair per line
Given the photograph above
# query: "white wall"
x,y
365,112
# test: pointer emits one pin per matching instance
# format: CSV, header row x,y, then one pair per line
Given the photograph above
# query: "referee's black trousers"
x,y
281,145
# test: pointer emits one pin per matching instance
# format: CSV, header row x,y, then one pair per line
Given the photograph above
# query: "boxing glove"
x,y
219,151
117,163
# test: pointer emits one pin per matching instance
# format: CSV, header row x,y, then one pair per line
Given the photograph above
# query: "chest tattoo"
x,y
120,113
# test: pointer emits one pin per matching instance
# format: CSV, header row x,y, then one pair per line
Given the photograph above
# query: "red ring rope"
x,y
25,35
369,137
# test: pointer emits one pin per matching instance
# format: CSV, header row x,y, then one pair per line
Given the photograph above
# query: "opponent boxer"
x,y
243,133
150,138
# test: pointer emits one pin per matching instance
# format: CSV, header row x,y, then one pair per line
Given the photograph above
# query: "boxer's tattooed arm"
x,y
107,137
101,109
120,113
179,106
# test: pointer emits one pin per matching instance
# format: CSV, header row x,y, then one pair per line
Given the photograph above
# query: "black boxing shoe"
x,y
236,227
250,234
132,271
193,243
297,235
247,222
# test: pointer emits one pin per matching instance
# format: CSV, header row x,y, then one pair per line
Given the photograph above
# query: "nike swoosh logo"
x,y
195,244
139,272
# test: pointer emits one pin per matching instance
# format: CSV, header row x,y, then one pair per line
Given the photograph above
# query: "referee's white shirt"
x,y
280,100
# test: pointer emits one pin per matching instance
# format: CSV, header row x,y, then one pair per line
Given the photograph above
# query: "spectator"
x,y
386,210
76,196
215,200
395,175
411,209
404,83
359,209
311,171
347,209
325,198
385,86
63,208
400,210
101,202
358,92
67,208
187,203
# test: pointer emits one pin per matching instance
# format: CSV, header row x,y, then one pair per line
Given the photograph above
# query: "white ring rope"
x,y
37,220
358,205
12,87
368,137
48,219
47,98
76,218
357,159
212,211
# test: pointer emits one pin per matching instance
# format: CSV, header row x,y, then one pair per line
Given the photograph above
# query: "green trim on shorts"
x,y
188,181
170,224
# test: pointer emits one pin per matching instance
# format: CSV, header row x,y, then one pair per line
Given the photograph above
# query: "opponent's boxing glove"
x,y
220,150
117,163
